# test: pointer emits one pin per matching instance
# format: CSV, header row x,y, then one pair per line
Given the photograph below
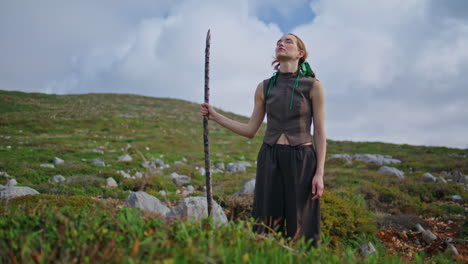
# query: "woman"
x,y
290,169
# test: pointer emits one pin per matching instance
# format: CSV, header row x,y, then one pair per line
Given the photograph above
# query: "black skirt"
x,y
283,192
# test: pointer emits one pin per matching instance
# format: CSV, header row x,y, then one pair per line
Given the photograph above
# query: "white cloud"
x,y
392,70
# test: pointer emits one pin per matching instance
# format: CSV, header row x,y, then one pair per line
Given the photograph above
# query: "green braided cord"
x,y
305,69
296,83
272,82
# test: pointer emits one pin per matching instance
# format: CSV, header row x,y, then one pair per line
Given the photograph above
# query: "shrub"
x,y
344,219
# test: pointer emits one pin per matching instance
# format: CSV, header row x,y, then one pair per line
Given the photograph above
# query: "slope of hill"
x,y
35,128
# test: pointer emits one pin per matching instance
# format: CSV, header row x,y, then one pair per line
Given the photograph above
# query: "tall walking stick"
x,y
209,195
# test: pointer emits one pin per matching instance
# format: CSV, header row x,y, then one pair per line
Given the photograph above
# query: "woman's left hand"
x,y
317,186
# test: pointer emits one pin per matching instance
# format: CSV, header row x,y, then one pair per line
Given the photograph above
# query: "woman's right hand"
x,y
207,109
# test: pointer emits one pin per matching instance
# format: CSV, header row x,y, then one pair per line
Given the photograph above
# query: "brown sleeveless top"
x,y
295,123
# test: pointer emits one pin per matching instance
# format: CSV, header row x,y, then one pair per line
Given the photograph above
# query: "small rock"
x,y
457,199
98,162
163,193
178,162
219,165
249,187
57,178
202,171
341,156
11,183
441,179
181,180
367,249
376,158
428,236
190,188
125,158
427,177
394,171
452,249
100,151
58,161
138,175
124,174
110,182
420,228
4,174
237,166
51,166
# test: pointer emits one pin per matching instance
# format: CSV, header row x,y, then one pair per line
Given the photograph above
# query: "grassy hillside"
x,y
35,128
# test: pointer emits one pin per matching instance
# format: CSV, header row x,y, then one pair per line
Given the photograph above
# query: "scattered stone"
x,y
376,158
146,202
428,236
163,193
237,166
249,187
125,158
98,162
153,164
441,179
394,171
220,166
83,160
457,199
15,191
455,176
202,171
57,179
341,156
124,174
11,183
420,228
427,177
180,180
4,174
51,166
111,183
100,151
138,175
178,162
190,188
452,249
58,161
367,249
195,208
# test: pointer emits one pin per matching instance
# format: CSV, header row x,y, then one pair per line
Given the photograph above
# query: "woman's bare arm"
x,y
247,130
320,140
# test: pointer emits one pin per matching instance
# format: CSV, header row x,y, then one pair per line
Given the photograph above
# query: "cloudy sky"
x,y
393,70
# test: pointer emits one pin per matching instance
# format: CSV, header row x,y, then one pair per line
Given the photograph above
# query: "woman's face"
x,y
286,48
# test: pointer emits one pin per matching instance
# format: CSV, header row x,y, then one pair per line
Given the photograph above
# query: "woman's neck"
x,y
288,66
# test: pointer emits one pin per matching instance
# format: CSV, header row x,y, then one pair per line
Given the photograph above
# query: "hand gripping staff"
x,y
209,195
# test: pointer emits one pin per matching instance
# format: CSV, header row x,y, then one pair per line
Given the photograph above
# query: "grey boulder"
x,y
146,202
248,187
98,162
58,161
394,171
125,158
195,208
57,178
14,191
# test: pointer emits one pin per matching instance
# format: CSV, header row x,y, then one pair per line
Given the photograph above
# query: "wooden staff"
x,y
209,195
